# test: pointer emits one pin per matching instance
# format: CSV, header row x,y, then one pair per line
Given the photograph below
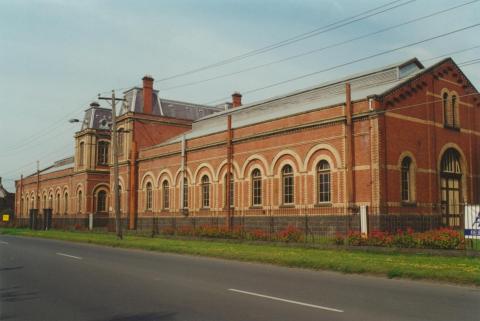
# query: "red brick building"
x,y
399,139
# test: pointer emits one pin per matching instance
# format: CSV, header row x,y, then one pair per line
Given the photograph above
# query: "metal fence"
x,y
322,225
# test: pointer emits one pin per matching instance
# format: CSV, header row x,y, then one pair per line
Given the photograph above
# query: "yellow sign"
x,y
5,217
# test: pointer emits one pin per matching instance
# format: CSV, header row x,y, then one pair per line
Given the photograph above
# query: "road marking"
x,y
285,300
3,242
73,257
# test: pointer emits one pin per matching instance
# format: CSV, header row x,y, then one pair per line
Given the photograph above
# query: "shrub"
x,y
167,230
379,238
443,238
185,231
257,235
290,234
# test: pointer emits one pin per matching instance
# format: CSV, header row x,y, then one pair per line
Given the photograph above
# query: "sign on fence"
x,y
6,217
472,221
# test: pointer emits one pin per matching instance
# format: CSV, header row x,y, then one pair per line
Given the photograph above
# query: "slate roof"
x,y
97,117
363,85
165,107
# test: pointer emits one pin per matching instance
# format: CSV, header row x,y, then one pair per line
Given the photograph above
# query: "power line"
x,y
452,53
332,26
225,75
349,63
40,134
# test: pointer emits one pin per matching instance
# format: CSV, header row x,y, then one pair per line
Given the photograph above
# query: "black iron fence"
x,y
401,226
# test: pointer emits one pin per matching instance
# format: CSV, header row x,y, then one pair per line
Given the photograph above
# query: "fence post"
x,y
90,221
363,220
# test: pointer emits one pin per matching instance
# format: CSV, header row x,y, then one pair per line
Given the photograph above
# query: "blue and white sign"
x,y
472,222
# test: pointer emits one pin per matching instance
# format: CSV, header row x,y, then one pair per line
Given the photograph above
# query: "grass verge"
x,y
460,270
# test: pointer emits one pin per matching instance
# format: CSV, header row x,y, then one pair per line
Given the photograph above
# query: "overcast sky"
x,y
57,55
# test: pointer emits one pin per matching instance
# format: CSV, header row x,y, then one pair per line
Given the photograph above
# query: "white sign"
x,y
472,222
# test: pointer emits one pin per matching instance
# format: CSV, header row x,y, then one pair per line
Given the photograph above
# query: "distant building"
x,y
400,139
7,200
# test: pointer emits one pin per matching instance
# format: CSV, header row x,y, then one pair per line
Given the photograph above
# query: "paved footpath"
x,y
53,280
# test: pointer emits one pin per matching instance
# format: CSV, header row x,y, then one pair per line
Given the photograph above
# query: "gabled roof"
x,y
65,163
165,107
363,85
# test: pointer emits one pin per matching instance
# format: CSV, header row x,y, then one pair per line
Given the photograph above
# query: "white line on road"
x,y
3,242
285,300
73,257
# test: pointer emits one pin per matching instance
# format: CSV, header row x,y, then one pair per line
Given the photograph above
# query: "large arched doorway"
x,y
451,187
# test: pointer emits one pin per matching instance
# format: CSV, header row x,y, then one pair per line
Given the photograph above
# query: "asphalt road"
x,y
53,280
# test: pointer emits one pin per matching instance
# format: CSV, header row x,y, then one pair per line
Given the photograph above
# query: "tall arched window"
x,y
323,182
102,153
232,187
256,187
406,178
102,201
65,202
205,192
50,202
79,201
149,197
446,113
81,153
45,205
120,198
455,119
166,194
451,187
185,192
287,184
58,203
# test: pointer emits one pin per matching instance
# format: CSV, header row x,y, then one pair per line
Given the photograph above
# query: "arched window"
x,y
65,202
50,202
232,187
120,141
102,153
287,184
166,194
323,182
205,192
79,202
102,201
455,121
119,198
256,187
149,197
451,187
446,113
27,204
58,203
185,192
81,153
45,205
406,179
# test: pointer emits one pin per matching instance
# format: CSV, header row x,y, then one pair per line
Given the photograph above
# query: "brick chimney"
x,y
236,99
147,94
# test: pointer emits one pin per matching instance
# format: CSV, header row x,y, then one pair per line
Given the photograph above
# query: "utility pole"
x,y
116,206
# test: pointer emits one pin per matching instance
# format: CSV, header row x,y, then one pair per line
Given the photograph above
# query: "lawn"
x,y
460,270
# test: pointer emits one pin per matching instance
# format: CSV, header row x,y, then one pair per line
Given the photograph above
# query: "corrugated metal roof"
x,y
363,85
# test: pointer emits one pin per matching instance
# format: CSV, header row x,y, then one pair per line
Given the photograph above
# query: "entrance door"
x,y
450,188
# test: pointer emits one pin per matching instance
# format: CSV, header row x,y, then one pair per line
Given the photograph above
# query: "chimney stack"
x,y
236,99
147,94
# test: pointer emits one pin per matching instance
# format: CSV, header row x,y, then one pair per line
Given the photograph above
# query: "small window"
x,y
205,192
102,153
256,187
323,182
406,179
149,197
81,154
166,194
120,141
288,184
